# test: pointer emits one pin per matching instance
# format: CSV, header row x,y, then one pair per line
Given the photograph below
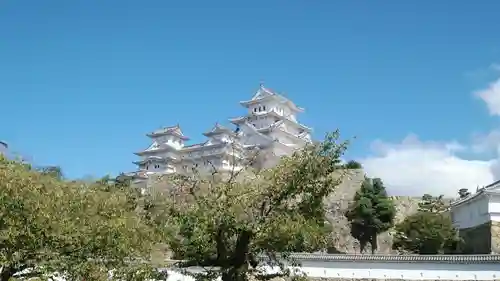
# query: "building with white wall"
x,y
270,125
477,216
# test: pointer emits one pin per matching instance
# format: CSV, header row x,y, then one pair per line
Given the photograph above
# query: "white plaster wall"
x,y
294,130
272,104
280,151
221,138
159,154
374,270
494,207
285,138
471,213
287,112
495,218
173,141
260,122
263,106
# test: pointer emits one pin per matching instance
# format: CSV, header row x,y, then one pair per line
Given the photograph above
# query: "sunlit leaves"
x,y
429,231
426,233
230,220
80,230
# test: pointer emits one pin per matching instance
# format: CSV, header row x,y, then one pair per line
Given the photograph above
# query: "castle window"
x,y
255,109
264,107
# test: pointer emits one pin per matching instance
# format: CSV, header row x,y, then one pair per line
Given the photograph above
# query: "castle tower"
x,y
271,120
270,124
164,152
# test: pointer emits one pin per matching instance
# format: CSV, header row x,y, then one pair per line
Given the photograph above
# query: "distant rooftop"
x,y
3,147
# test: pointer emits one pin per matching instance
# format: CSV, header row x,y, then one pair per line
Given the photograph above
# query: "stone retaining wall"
x,y
338,202
481,239
477,240
495,237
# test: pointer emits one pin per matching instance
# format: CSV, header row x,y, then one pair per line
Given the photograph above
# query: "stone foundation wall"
x,y
495,237
338,202
481,239
477,240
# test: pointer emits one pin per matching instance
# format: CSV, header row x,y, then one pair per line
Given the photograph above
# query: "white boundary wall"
x,y
386,270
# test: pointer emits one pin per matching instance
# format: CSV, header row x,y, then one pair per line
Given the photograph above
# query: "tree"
x,y
54,171
80,231
353,165
426,233
429,231
248,218
432,204
371,213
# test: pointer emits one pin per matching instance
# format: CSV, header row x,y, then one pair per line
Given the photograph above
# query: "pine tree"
x,y
371,213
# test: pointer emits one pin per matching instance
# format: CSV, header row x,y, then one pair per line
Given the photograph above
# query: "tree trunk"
x,y
6,273
374,242
238,265
235,274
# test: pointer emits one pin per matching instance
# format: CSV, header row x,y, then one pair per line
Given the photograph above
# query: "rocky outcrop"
x,y
338,203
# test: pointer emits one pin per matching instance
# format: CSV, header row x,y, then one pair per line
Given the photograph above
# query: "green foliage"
x,y
81,231
371,213
53,171
432,204
426,233
353,165
232,221
429,231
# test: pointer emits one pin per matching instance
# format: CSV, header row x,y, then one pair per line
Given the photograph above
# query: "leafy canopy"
x,y
353,165
429,231
81,231
371,213
231,221
432,204
426,233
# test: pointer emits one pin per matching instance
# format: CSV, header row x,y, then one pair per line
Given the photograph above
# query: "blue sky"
x,y
82,82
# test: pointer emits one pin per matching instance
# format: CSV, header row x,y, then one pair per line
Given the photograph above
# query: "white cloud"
x,y
486,143
495,67
491,96
414,168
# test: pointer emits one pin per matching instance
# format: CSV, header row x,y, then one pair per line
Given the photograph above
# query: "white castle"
x,y
270,125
